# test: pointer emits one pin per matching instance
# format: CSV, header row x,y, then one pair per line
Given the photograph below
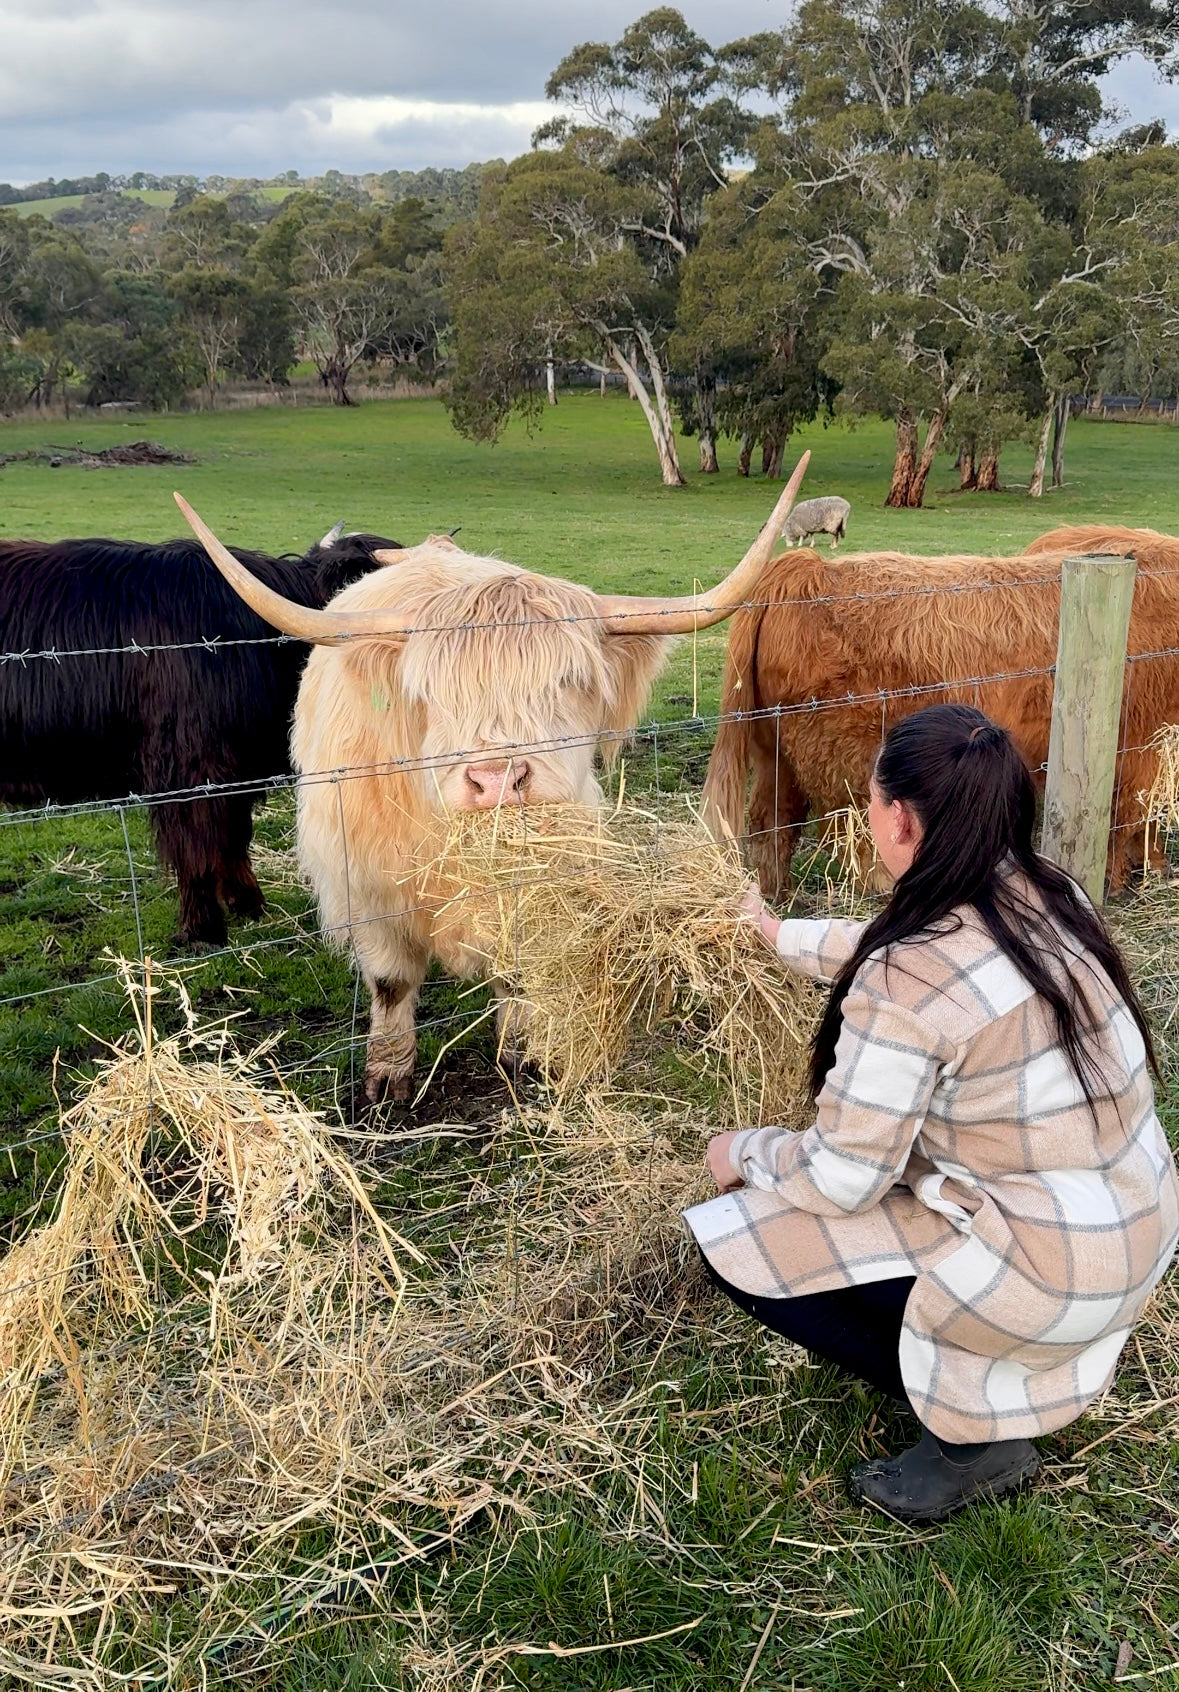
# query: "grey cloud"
x,y
264,142
255,86
86,60
236,87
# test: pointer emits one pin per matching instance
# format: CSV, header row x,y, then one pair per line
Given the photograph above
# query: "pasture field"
x,y
750,1548
159,197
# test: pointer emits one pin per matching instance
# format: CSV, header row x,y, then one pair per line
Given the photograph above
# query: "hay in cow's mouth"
x,y
619,929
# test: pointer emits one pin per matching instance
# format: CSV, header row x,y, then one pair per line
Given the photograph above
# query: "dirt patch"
x,y
467,1087
134,452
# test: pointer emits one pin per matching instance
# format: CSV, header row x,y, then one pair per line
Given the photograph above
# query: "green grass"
x,y
161,198
1034,1595
62,202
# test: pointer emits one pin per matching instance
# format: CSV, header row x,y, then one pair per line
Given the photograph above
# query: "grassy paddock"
x,y
744,1537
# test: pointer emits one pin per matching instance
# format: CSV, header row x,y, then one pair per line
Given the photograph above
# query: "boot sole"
x,y
998,1486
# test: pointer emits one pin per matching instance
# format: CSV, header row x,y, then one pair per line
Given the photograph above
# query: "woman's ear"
x,y
904,823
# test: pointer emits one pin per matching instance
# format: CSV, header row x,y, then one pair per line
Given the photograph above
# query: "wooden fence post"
x,y
1096,593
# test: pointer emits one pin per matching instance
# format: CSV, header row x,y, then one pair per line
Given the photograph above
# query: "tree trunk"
x,y
967,469
772,448
1096,403
1060,428
706,421
987,479
1036,485
905,463
550,379
933,440
602,384
744,456
658,415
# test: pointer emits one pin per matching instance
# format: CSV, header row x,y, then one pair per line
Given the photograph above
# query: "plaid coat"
x,y
953,1143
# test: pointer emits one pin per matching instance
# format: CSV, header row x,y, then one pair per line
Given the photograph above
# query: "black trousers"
x,y
856,1328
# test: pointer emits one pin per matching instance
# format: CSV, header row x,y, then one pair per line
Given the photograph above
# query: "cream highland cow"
x,y
453,683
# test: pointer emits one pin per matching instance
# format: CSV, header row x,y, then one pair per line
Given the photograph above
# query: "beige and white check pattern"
x,y
952,1142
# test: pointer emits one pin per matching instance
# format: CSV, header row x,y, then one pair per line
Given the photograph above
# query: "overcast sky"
x,y
254,87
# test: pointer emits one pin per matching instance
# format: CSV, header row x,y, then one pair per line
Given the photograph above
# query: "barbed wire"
x,y
217,643
424,763
295,929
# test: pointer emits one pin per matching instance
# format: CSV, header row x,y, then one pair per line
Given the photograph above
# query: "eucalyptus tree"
x,y
657,110
936,146
549,270
750,313
213,303
1052,54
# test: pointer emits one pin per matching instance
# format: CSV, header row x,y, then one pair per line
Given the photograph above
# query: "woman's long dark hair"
x,y
964,779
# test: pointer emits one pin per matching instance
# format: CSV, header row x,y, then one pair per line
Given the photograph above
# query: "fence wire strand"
x,y
214,644
294,929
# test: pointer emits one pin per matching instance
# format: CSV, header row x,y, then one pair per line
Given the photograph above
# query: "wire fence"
x,y
121,887
216,643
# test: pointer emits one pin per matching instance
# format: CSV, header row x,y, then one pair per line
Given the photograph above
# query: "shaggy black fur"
x,y
102,727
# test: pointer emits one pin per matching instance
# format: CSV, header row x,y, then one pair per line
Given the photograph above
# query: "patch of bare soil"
x,y
133,452
467,1087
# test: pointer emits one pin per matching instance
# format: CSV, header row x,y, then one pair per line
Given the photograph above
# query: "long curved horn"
x,y
627,614
321,628
332,536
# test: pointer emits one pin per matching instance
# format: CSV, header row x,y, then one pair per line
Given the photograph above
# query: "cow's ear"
x,y
375,662
634,662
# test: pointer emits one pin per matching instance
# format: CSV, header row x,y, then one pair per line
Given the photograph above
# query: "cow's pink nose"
x,y
489,785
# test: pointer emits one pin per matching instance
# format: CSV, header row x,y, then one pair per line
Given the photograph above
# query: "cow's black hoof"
x,y
247,907
515,1065
198,944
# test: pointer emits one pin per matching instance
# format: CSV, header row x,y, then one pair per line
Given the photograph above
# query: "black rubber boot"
x,y
927,1485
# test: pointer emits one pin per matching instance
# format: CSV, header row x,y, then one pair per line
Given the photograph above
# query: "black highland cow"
x,y
78,729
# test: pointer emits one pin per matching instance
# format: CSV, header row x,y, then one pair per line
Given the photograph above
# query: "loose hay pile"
x,y
617,929
222,1375
208,1352
1160,805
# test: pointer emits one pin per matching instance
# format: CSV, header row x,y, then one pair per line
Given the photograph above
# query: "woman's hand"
x,y
753,908
719,1166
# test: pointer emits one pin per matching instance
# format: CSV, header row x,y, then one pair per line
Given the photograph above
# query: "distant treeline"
x,y
913,209
389,185
100,183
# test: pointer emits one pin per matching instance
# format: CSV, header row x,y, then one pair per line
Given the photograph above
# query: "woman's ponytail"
x,y
964,779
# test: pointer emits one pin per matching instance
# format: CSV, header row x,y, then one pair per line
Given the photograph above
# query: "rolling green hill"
x,y
162,197
46,208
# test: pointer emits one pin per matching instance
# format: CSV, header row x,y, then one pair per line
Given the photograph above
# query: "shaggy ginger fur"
x,y
923,624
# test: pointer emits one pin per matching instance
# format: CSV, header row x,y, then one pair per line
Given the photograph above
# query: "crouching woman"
x,y
985,1200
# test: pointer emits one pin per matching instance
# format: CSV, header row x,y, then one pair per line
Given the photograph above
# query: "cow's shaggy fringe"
x,y
614,928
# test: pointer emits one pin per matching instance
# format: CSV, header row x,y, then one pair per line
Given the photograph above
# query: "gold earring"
x,y
893,838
